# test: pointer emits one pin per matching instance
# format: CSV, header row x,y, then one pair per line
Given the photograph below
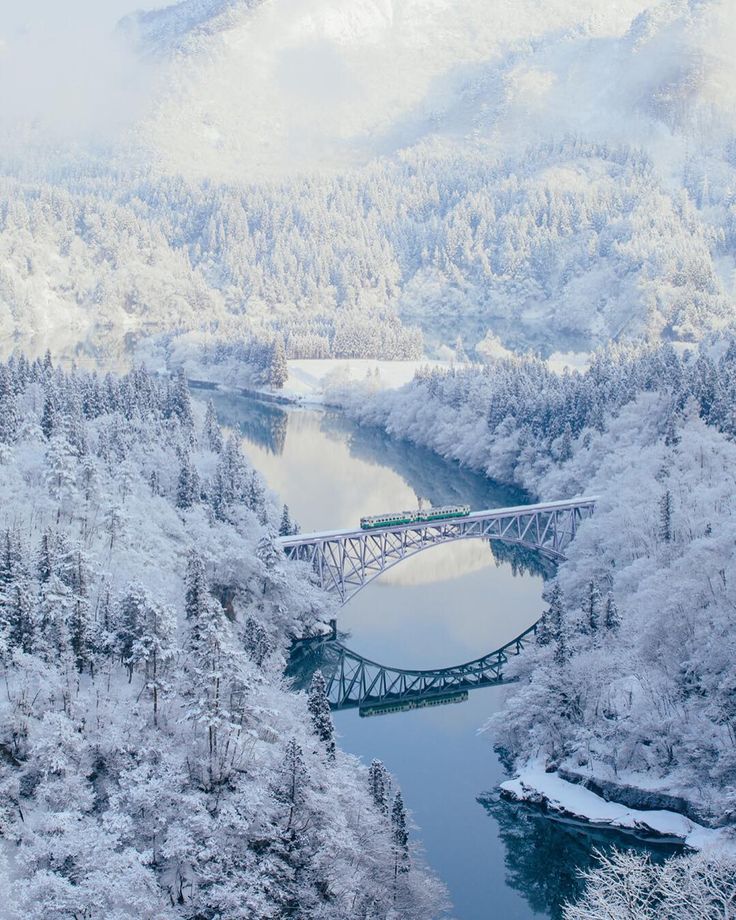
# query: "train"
x,y
446,512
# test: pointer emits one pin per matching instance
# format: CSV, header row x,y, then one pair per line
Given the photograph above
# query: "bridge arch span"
x,y
345,561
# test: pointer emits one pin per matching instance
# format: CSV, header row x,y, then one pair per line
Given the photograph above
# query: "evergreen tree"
x,y
197,592
256,642
592,606
81,633
20,616
10,559
180,405
278,371
154,647
550,617
211,431
213,686
558,626
565,451
49,416
52,631
46,557
291,780
321,715
188,487
665,517
285,525
399,836
128,616
9,416
612,619
379,785
60,473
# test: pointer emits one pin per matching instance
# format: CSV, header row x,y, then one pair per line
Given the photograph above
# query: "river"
x,y
445,606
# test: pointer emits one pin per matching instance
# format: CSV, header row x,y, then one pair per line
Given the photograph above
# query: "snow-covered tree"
x,y
321,715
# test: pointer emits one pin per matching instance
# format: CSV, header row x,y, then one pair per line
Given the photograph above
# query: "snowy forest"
x,y
153,761
452,247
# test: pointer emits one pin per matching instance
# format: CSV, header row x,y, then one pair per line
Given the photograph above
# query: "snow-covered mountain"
x,y
558,173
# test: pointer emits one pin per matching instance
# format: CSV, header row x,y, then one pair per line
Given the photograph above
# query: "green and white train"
x,y
446,512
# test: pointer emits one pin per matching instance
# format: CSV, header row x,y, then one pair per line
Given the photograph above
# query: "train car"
x,y
445,512
388,520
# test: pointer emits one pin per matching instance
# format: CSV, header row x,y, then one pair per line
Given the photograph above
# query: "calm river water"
x,y
444,606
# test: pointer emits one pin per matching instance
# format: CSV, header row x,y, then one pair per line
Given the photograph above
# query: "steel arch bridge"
x,y
357,682
345,561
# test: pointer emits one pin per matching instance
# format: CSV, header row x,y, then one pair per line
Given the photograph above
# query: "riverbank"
x,y
313,382
574,802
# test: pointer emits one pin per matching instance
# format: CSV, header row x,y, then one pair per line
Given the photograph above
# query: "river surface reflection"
x,y
444,606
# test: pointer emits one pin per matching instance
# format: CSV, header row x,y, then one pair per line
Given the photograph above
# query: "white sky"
x,y
63,72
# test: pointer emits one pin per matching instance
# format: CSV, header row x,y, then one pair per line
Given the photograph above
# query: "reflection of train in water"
x,y
414,517
386,707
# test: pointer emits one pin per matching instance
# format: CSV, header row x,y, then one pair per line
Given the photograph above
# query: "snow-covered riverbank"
x,y
312,382
574,802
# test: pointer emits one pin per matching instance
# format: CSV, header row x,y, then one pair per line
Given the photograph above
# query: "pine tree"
x,y
558,626
319,710
379,785
81,633
399,836
10,556
49,416
20,616
53,614
188,487
544,632
9,416
180,405
197,592
211,432
46,557
612,619
154,647
278,370
285,526
592,606
256,642
565,451
60,472
665,517
213,685
291,779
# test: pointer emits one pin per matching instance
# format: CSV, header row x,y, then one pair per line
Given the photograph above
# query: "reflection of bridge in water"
x,y
354,681
344,561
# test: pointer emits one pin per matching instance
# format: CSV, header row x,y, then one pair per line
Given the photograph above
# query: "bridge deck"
x,y
317,536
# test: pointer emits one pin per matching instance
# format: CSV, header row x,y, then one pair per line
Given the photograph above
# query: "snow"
x,y
534,784
319,380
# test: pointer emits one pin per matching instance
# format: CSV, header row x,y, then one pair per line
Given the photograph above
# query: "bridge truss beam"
x,y
345,561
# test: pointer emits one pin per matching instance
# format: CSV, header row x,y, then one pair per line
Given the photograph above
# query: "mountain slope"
x,y
556,173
